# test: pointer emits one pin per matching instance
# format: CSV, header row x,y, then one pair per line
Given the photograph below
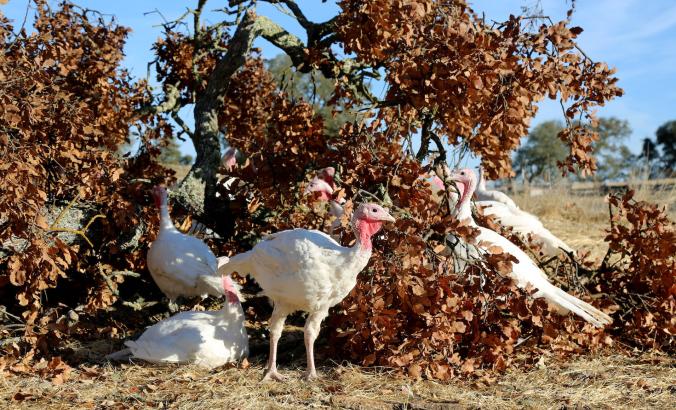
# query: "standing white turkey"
x,y
180,264
524,272
207,339
307,270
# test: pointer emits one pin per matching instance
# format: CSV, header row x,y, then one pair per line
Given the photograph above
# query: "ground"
x,y
601,380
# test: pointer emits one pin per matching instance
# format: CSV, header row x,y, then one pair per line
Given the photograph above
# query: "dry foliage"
x,y
478,82
450,75
67,108
638,272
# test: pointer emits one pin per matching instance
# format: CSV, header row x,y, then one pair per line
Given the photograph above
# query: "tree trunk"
x,y
197,191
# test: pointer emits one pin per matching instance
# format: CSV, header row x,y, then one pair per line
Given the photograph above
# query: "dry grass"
x,y
581,220
589,382
592,381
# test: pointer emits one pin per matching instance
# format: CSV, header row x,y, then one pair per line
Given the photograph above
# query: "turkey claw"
x,y
273,375
309,376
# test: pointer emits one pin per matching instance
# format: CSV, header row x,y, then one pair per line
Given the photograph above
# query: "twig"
x,y
171,101
425,137
23,24
184,127
80,232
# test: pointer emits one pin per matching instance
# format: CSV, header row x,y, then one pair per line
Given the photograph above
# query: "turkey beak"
x,y
388,217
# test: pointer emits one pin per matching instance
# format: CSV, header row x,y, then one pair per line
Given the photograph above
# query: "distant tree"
x,y
543,150
313,87
538,157
171,154
649,157
614,156
666,140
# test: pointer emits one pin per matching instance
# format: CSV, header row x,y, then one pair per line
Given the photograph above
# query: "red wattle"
x,y
229,289
462,190
366,229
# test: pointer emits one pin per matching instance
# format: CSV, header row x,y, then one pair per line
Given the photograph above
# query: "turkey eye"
x,y
374,210
462,173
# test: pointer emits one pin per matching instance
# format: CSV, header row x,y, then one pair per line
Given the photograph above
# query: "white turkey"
x,y
484,194
522,223
525,224
323,191
328,174
180,264
524,272
229,159
307,270
320,189
207,339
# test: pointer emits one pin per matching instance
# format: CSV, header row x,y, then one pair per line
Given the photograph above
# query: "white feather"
x,y
182,265
484,194
524,272
302,269
208,339
524,224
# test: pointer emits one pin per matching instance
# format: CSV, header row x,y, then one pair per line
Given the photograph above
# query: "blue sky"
x,y
638,37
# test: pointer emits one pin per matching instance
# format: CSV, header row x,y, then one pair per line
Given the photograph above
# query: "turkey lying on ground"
x,y
307,270
180,264
524,272
484,194
207,339
522,223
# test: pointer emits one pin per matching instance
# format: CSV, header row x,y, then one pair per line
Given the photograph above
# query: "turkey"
x,y
524,272
207,339
525,224
229,159
323,191
484,194
522,223
320,188
307,270
328,174
180,264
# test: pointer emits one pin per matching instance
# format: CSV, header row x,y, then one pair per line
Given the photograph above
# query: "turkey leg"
x,y
276,326
312,327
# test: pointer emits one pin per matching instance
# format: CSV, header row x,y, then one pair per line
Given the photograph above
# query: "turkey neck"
x,y
463,209
364,230
336,209
165,219
482,181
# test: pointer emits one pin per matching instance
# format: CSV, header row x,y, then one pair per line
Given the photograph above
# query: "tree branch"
x,y
441,158
298,13
425,138
184,127
171,101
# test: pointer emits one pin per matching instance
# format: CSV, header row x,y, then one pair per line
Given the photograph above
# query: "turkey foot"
x,y
273,375
310,375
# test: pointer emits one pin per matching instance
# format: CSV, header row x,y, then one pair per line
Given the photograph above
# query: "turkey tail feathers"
x,y
575,305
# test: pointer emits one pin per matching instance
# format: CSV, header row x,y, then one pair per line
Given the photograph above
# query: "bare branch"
x,y
171,101
184,127
441,158
425,138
